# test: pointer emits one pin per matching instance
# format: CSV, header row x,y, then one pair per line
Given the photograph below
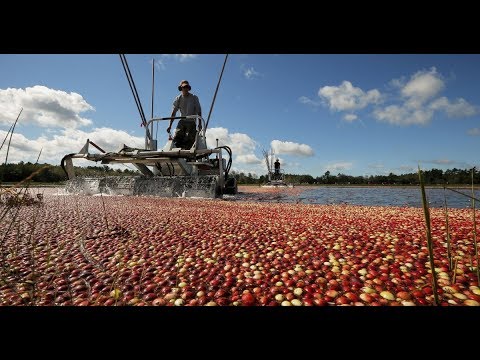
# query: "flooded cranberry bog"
x,y
246,250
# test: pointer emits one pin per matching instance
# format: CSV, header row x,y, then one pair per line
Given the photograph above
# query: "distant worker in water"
x,y
277,168
188,104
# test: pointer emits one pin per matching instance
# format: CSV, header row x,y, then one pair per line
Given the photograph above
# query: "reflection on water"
x,y
384,196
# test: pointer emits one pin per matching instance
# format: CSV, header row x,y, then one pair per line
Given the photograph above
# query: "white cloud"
x,y
248,159
419,116
407,169
308,101
422,86
287,147
392,114
474,132
416,106
43,107
402,115
376,166
159,64
251,74
241,144
416,109
339,166
346,97
350,117
217,133
459,108
442,162
55,146
445,163
397,83
180,57
185,57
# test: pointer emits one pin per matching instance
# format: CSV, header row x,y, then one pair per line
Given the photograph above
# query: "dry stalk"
x,y
426,213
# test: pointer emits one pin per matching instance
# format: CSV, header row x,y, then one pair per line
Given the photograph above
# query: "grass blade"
x,y
6,136
475,229
461,193
455,271
449,251
38,158
426,212
11,134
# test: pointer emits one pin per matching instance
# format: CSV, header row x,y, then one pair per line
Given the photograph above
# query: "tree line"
x,y
432,177
13,173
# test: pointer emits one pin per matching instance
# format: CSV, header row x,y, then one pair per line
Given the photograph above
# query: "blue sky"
x,y
360,114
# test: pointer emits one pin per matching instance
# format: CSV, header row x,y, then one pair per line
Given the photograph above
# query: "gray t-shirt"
x,y
188,105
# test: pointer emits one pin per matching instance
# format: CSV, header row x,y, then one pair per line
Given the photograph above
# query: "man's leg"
x,y
179,136
191,131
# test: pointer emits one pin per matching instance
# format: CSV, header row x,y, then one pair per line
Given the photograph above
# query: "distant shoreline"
x,y
463,186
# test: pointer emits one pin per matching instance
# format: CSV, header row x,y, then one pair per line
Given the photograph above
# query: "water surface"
x,y
361,195
385,196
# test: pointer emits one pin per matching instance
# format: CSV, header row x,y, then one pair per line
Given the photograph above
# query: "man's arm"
x,y
199,113
198,106
174,112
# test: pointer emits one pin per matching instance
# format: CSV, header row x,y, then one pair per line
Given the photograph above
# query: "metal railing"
x,y
149,142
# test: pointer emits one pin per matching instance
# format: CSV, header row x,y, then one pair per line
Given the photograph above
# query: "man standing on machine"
x,y
188,104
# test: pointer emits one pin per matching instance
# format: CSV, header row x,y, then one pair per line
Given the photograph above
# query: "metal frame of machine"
x,y
170,171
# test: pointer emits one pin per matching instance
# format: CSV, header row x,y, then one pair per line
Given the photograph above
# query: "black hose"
x,y
62,163
229,163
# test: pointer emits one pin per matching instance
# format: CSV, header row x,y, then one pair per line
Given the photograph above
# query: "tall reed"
x,y
475,229
11,134
426,212
449,249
